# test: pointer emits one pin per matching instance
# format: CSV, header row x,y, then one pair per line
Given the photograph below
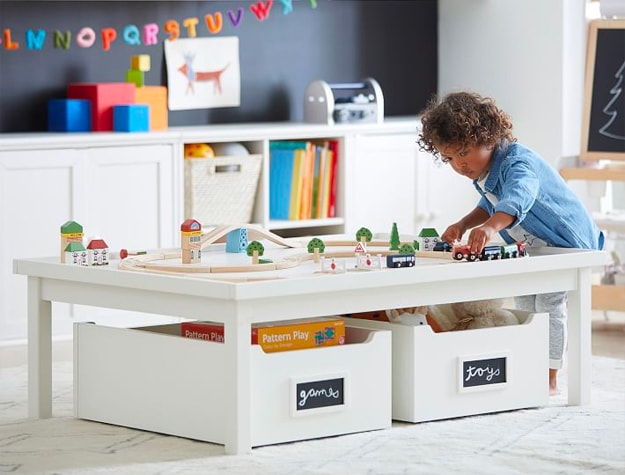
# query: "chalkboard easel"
x,y
603,132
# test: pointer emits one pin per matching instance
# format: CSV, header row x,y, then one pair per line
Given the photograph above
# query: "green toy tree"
x,y
363,235
406,249
394,238
316,246
254,250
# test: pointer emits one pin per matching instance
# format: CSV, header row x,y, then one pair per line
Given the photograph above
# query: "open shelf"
x,y
582,173
608,297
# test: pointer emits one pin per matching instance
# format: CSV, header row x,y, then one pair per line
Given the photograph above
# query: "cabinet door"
x,y
131,200
131,203
38,193
443,196
379,183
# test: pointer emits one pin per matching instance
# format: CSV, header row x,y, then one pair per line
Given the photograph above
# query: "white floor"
x,y
552,439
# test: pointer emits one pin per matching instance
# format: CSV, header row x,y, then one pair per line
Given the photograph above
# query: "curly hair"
x,y
463,119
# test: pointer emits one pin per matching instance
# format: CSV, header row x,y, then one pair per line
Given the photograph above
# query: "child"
x,y
522,198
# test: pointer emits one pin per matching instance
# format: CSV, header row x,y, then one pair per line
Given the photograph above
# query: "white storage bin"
x,y
153,379
430,369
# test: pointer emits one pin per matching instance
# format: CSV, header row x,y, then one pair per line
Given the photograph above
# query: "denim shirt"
x,y
532,191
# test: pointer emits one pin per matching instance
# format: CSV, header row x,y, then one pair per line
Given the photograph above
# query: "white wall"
x,y
529,55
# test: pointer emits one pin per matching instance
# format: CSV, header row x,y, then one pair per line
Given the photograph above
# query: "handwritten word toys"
x,y
278,336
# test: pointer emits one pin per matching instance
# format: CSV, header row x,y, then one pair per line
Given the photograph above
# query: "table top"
x,y
305,278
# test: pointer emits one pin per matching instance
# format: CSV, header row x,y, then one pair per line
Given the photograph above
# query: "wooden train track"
x,y
154,262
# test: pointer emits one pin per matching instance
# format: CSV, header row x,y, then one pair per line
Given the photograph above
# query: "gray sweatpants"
x,y
555,305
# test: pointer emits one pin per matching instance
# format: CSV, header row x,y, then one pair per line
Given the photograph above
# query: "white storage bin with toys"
x,y
440,375
154,379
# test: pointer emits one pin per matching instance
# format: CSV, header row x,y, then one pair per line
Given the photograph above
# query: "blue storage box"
x,y
131,118
69,115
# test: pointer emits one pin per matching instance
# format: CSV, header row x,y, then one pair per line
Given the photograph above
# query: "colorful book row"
x,y
302,179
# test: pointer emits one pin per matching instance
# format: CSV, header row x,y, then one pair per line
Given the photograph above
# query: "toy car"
x,y
442,246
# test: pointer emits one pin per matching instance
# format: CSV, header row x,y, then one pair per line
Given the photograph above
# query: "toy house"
x,y
427,239
236,240
97,253
75,254
71,231
190,235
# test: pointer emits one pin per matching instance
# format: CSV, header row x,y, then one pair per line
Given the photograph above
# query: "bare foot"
x,y
553,382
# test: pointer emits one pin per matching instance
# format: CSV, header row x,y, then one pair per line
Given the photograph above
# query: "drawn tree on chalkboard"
x,y
615,126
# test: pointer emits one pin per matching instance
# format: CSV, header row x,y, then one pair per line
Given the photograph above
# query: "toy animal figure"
x,y
194,76
415,316
482,314
459,315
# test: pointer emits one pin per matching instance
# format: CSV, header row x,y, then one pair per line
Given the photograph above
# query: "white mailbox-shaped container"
x,y
462,373
153,379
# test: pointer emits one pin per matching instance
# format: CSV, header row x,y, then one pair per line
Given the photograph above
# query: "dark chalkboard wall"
x,y
605,93
394,42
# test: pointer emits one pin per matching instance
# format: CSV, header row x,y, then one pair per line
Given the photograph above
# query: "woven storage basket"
x,y
221,190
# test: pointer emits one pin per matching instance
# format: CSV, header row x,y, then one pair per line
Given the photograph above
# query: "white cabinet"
x,y
38,191
443,196
130,196
123,194
380,182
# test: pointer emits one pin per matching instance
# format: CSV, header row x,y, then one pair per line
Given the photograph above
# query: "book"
x,y
314,209
280,183
325,184
307,182
276,336
334,146
296,184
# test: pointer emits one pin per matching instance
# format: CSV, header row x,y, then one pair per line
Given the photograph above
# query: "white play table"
x,y
299,293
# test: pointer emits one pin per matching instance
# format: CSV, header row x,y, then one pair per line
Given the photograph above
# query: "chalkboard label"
x,y
483,373
604,108
320,394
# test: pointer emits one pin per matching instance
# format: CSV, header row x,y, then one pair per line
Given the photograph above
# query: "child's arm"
x,y
455,231
482,235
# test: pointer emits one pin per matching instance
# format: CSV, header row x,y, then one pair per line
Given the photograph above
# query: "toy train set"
x,y
489,253
364,253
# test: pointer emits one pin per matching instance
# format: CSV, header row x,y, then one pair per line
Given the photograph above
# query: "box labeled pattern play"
x,y
277,336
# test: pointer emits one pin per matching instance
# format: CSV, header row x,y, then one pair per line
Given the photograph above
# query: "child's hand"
x,y
453,233
479,237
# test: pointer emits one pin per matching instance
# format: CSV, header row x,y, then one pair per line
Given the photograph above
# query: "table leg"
x,y
238,390
580,340
39,352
